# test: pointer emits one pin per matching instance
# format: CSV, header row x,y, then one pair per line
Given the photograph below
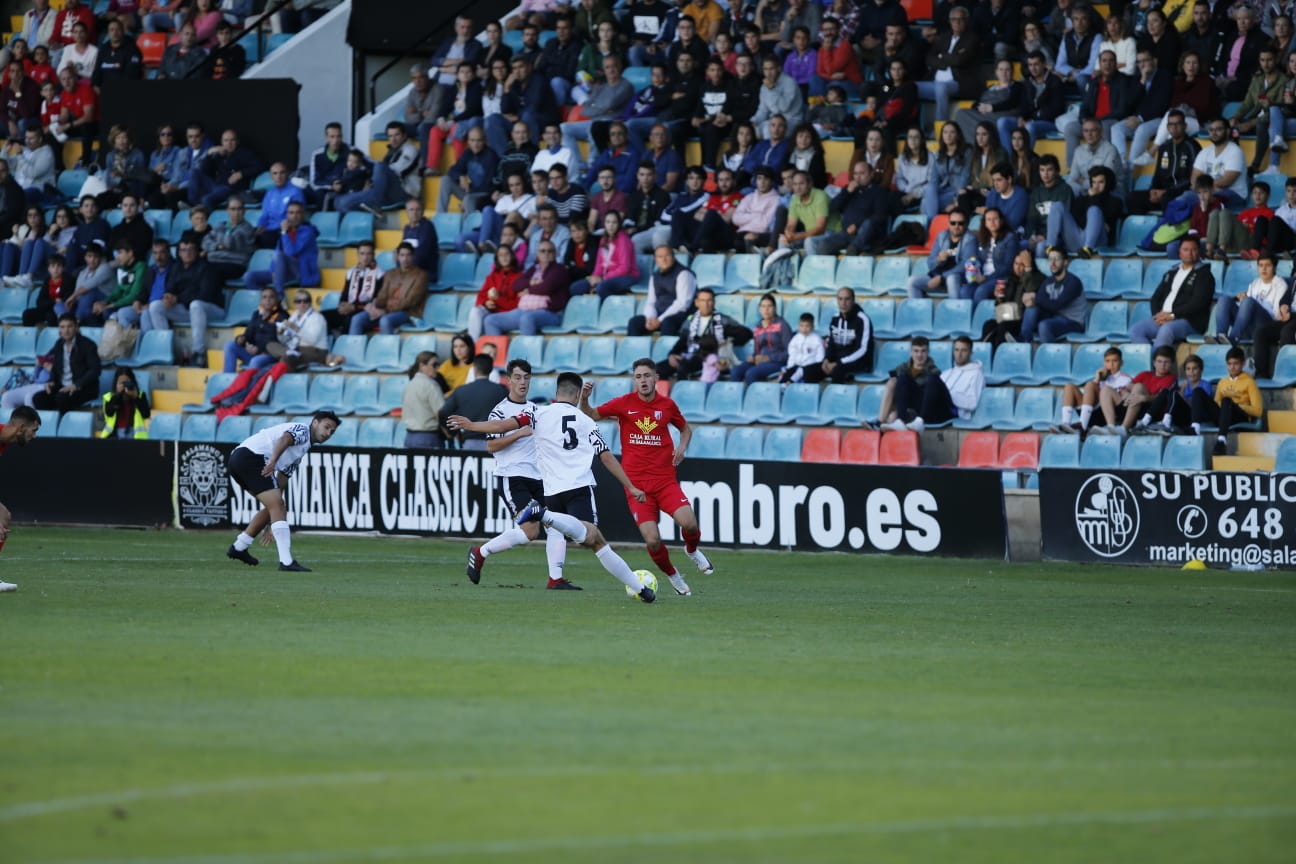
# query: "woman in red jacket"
x,y
498,293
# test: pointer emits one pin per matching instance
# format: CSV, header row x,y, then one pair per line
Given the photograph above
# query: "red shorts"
x,y
664,496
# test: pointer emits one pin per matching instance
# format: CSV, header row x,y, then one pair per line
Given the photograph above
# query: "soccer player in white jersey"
x,y
518,474
262,465
566,442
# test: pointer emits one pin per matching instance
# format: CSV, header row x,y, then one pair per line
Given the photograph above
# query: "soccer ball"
x,y
646,578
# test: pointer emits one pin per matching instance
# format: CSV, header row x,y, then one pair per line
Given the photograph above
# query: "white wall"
x,y
319,60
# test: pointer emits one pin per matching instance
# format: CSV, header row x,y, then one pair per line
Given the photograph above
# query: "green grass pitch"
x,y
160,703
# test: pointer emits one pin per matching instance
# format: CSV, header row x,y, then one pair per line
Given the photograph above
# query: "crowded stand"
x,y
1063,232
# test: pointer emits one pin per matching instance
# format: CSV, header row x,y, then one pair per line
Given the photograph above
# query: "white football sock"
x,y
1196,427
283,541
1068,414
616,565
556,553
243,542
512,537
1086,411
569,526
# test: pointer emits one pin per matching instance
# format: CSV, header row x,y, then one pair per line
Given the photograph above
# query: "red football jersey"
x,y
646,445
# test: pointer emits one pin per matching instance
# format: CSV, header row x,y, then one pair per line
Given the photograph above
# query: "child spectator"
x,y
805,351
832,116
1237,400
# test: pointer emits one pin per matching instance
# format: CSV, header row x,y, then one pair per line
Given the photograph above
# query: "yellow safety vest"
x,y
140,425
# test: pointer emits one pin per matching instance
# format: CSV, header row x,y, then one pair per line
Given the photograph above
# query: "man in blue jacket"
x,y
470,179
296,256
621,156
952,249
274,206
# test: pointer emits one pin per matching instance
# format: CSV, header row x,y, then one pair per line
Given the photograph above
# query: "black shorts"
x,y
517,492
578,502
246,467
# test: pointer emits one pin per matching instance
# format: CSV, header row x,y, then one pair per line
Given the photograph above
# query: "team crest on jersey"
x,y
645,425
202,486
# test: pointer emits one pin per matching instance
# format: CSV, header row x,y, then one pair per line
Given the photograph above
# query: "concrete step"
x,y
171,400
387,239
333,279
1282,421
189,378
1260,444
1242,463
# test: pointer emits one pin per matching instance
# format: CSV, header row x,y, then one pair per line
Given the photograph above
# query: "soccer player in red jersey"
x,y
22,427
650,457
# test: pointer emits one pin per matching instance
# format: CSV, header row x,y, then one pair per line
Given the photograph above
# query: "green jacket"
x,y
131,285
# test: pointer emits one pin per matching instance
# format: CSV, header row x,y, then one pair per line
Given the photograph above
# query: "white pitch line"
x,y
722,835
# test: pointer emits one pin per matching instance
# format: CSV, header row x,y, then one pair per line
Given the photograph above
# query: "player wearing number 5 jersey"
x,y
650,458
566,441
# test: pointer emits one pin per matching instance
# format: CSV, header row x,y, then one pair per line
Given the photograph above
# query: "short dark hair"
x,y
26,415
1260,184
704,290
1164,351
405,244
1113,352
1194,360
919,342
569,382
1050,160
966,340
1234,353
517,363
67,316
482,365
326,414
1003,169
807,318
643,361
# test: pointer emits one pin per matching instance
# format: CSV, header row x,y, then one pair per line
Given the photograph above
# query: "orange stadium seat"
x,y
939,224
1020,450
860,446
501,344
917,10
821,445
979,450
152,46
899,448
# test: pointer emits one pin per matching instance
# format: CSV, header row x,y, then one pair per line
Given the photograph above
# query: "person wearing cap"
x,y
93,282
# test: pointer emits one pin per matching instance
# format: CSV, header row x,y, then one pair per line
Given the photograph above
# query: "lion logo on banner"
x,y
203,486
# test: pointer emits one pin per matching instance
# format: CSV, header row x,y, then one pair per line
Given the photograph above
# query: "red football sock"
x,y
661,558
691,539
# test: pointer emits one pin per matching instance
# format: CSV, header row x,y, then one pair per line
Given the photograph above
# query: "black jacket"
x,y
85,365
474,400
1152,100
1193,302
1124,97
1046,104
1174,165
643,211
197,282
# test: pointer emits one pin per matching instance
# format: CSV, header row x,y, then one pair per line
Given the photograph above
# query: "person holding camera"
x,y
125,409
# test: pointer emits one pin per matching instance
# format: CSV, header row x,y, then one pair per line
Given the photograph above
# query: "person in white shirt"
x,y
1237,317
516,207
1281,234
805,351
303,336
965,380
1110,376
81,55
553,152
34,168
566,441
261,465
1223,161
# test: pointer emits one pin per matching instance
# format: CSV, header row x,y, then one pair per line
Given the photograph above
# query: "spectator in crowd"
x,y
670,297
125,168
74,380
1194,94
174,184
953,60
1280,235
770,338
34,168
92,284
13,201
512,208
808,155
1152,100
915,395
668,165
619,155
770,151
701,333
1237,401
604,198
22,102
125,407
1111,377
570,201
327,164
862,209
474,399
547,229
79,112
1161,39
543,291
421,403
130,284
81,54
741,99
1041,102
249,347
1241,55
224,170
1004,196
553,152
1058,308
461,111
471,176
228,246
296,257
199,224
806,352
1009,293
403,293
1122,409
1001,101
754,219
516,158
453,50
38,23
302,337
15,252
951,173
712,224
1237,317
997,246
193,295
1243,233
807,214
1174,161
615,268
779,95
359,290
497,293
421,234
183,58
422,100
49,295
1090,220
1264,92
1222,160
226,59
685,96
1181,303
831,117
1094,151
581,250
1078,52
559,58
946,261
274,205
527,98
1170,411
155,286
644,28
913,173
644,207
92,228
849,348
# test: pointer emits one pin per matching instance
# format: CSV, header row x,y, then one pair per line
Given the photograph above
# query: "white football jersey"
x,y
519,458
263,443
566,442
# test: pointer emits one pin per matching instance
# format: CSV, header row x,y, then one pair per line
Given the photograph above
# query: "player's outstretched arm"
x,y
584,405
458,422
614,468
494,445
686,435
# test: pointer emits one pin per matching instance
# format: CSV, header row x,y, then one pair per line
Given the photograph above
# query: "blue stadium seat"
x,y
615,314
1052,364
793,308
326,393
70,182
542,389
361,394
725,399
891,275
198,427
709,269
1284,461
153,348
853,271
983,312
646,268
941,353
661,349
1088,359
816,272
914,317
953,318
1089,271
1012,361
582,312
745,443
164,426
376,432
690,396
827,312
1284,374
448,226
76,424
1237,276
1124,277
389,393
383,353
45,340
159,220
870,402
888,356
346,435
1101,451
1131,232
632,348
330,301
1061,451
783,445
599,356
19,346
732,305
327,223
1156,268
607,389
1107,320
561,354
638,76
881,312
800,404
291,395
529,348
352,350
1214,366
838,405
608,429
742,273
760,404
708,442
265,421
262,259
355,227
995,409
442,312
459,270
1143,309
13,302
1136,357
1034,408
1141,453
239,309
234,430
216,383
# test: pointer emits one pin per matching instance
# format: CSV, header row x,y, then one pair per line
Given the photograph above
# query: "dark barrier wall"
x,y
89,481
1153,517
763,504
393,26
264,112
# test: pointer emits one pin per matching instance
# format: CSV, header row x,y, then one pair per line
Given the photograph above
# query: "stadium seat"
x,y
607,389
290,395
13,302
448,226
1156,268
1089,271
1107,320
708,442
690,396
46,338
639,77
760,404
646,267
529,348
265,421
1135,357
723,399
459,270
630,349
598,356
816,272
709,270
732,306
216,383
1142,453
346,435
1088,359
501,348
827,312
412,346
661,349
1052,364
938,224
153,348
615,314
239,309
941,353
1124,275
1131,233
891,275
800,404
326,392
1284,374
152,46
1284,461
881,314
352,349
262,259
1034,409
782,445
1020,450
821,445
994,410
360,394
913,317
742,273
979,450
70,182
1238,275
234,430
870,402
888,356
899,448
611,436
199,427
838,403
580,316
1214,366
953,318
1012,362
793,309
860,446
355,227
745,443
75,424
983,312
1060,451
542,389
19,346
1101,451
561,354
853,271
164,426
389,393
376,432
327,224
